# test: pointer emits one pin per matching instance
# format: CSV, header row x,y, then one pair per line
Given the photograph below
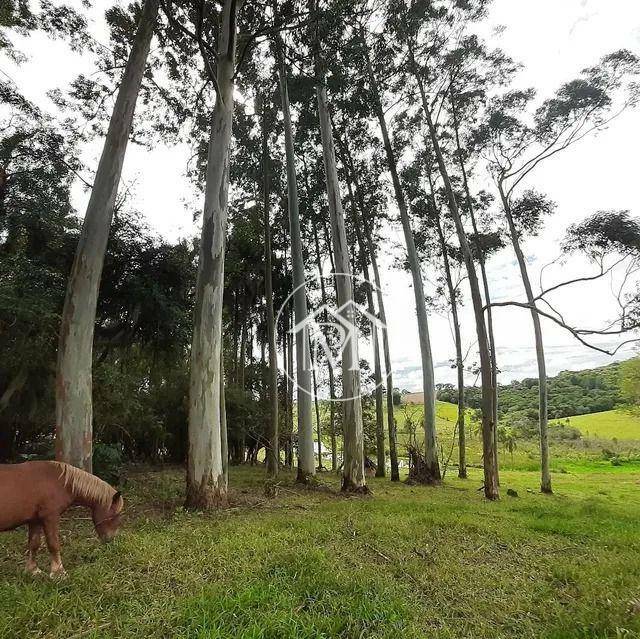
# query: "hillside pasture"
x,y
612,424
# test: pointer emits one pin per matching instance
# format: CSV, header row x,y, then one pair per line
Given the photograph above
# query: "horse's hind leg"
x,y
53,544
35,539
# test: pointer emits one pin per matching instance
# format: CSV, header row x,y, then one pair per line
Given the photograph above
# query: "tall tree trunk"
x,y
491,489
316,403
236,335
462,447
206,482
288,462
483,276
290,387
306,466
386,349
325,302
242,359
353,478
224,439
375,344
428,381
273,449
75,349
545,481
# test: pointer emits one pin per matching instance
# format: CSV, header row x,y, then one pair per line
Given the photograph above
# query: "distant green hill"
x,y
570,393
611,424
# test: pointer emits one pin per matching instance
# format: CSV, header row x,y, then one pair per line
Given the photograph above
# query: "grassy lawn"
x,y
611,424
409,561
603,435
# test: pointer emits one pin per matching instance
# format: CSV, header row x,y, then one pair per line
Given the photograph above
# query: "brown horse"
x,y
38,492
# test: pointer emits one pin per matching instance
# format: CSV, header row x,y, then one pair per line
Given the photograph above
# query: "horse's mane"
x,y
84,485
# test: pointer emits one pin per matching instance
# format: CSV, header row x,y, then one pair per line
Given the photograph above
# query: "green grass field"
x,y
611,424
604,435
409,561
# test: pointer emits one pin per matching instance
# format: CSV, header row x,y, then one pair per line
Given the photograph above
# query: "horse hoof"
x,y
34,572
58,575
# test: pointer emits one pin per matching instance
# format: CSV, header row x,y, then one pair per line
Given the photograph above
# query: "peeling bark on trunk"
x,y
206,482
432,464
353,478
306,466
75,349
545,473
491,489
273,447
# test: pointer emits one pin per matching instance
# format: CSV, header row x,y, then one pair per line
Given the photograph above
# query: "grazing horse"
x,y
38,492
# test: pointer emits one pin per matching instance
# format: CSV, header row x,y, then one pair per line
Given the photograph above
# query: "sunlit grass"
x,y
409,561
611,424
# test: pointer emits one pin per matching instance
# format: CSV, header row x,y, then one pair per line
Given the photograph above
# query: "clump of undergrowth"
x,y
420,472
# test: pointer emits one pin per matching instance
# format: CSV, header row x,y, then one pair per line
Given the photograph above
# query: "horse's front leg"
x,y
35,531
53,544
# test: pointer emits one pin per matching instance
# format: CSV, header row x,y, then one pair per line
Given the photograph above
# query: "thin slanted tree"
x,y
273,448
353,477
364,257
517,147
431,471
74,415
306,465
425,32
366,213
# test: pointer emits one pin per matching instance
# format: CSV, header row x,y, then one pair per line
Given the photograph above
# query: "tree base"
x,y
546,490
304,478
352,488
491,495
207,496
462,474
421,472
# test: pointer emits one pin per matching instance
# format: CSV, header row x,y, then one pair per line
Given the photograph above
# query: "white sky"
x,y
554,39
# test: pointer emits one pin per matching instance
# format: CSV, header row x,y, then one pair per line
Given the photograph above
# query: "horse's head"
x,y
106,518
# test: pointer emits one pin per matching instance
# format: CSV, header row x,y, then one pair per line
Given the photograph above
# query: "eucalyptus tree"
x,y
353,477
59,21
75,350
206,481
474,71
517,145
432,466
424,32
273,448
433,241
314,208
610,240
366,257
306,466
368,202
